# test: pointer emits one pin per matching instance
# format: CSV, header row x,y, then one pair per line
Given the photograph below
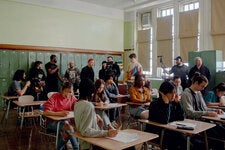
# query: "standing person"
x,y
134,67
139,94
59,104
87,74
200,68
180,70
88,123
167,108
102,72
215,97
52,75
72,75
112,69
37,78
17,88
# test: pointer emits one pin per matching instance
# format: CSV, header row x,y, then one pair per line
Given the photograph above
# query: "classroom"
x,y
134,42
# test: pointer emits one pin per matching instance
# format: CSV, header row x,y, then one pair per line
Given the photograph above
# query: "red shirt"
x,y
58,103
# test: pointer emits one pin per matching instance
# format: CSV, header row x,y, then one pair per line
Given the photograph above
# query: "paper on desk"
x,y
71,114
222,115
180,123
125,137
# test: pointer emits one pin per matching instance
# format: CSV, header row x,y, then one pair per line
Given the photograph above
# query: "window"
x,y
164,12
145,23
189,6
146,20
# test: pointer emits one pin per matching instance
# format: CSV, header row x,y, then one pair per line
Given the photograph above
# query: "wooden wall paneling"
x,y
23,60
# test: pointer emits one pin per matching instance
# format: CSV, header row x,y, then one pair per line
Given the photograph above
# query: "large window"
x,y
145,24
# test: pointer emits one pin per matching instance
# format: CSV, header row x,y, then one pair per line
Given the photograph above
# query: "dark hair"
x,y
18,75
176,77
37,63
108,76
104,62
66,85
98,83
166,87
198,77
110,57
137,77
86,89
133,55
220,87
99,96
52,57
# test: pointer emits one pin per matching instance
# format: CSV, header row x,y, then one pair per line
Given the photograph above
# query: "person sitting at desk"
x,y
16,88
139,94
165,109
195,107
215,97
100,98
111,90
88,123
59,104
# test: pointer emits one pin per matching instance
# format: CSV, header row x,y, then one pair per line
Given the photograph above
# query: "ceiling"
x,y
119,4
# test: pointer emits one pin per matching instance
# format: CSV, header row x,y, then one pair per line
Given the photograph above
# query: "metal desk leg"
x,y
57,134
6,114
188,142
206,141
22,118
161,139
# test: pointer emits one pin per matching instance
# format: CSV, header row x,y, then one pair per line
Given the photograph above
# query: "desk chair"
x,y
50,94
132,119
29,112
44,131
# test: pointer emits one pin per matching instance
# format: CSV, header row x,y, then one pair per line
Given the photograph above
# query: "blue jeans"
x,y
61,141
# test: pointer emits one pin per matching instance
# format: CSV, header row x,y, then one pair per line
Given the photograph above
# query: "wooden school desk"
x,y
111,144
23,105
200,126
58,119
7,101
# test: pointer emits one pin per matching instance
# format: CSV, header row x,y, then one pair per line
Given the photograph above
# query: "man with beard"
x,y
52,74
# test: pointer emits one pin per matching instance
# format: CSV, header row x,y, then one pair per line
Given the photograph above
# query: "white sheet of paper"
x,y
125,137
180,123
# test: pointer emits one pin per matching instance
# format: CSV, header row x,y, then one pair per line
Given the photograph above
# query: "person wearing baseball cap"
x,y
180,70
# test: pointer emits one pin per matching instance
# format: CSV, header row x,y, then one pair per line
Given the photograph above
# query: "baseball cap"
x,y
178,57
90,59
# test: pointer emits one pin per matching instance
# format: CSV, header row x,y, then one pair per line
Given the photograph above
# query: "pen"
x,y
179,124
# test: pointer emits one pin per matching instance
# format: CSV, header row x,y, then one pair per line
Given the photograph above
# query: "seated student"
x,y
17,88
59,104
111,90
165,109
177,83
195,107
139,94
193,102
215,97
88,123
100,98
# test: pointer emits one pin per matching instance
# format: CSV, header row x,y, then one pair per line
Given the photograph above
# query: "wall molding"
x,y
56,49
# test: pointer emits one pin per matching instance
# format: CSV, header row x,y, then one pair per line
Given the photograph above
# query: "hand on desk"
x,y
63,113
112,132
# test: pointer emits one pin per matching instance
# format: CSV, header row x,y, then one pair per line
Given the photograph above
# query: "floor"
x,y
29,138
